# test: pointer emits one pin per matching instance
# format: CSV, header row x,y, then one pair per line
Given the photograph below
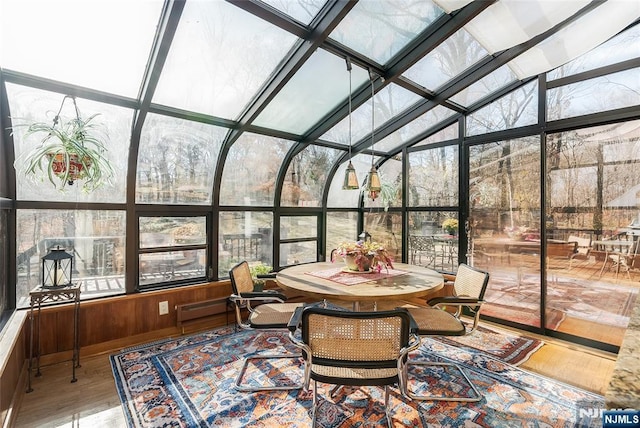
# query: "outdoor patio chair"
x,y
469,287
266,310
353,348
583,249
621,257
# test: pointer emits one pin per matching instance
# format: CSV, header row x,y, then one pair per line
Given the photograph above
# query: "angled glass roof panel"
x,y
449,133
448,60
250,170
407,132
307,176
515,109
177,161
505,24
75,42
577,38
451,5
390,101
219,59
303,11
379,29
623,47
499,78
319,86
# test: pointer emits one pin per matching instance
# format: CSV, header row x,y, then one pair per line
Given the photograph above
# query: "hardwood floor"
x,y
93,400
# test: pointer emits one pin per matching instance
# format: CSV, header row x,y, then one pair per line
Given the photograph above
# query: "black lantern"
x,y
57,267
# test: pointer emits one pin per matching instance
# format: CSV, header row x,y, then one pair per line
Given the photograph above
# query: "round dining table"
x,y
329,280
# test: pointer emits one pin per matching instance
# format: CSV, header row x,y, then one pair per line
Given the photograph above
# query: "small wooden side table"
x,y
40,295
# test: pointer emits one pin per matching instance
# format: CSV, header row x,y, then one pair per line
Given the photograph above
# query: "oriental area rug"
x,y
189,382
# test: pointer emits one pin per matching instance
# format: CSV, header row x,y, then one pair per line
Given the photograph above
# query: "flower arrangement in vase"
x,y
364,256
450,225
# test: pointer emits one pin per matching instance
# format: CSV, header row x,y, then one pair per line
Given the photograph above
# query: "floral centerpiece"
x,y
363,256
450,225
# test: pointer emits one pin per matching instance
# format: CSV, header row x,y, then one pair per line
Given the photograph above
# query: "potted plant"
x,y
257,273
450,225
70,150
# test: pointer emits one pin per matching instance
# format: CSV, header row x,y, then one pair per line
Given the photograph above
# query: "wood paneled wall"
x,y
110,323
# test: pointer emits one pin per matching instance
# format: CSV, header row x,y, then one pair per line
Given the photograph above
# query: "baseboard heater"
x,y
190,313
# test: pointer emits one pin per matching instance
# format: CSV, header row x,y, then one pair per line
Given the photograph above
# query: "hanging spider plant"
x,y
70,150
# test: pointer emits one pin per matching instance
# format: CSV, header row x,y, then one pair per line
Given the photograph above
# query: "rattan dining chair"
x,y
353,348
469,288
266,310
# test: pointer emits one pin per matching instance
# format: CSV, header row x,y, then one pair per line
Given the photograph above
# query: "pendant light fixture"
x,y
373,179
350,176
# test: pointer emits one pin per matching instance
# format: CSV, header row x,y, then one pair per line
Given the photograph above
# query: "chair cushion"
x,y
436,322
272,315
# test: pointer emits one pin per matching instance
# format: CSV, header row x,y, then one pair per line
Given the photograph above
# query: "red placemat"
x,y
353,278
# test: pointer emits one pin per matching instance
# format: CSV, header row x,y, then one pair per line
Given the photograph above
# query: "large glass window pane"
x,y
518,108
433,177
75,41
341,226
299,239
216,38
340,198
380,29
320,84
33,105
293,253
96,239
504,217
296,227
250,170
307,176
623,47
172,231
176,161
609,92
430,244
390,174
447,60
385,228
244,235
172,249
594,200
